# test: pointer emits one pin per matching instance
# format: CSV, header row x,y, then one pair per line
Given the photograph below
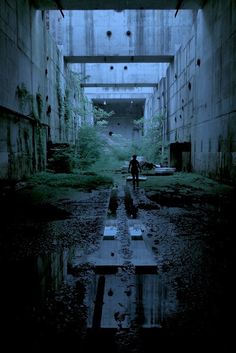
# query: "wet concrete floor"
x,y
118,271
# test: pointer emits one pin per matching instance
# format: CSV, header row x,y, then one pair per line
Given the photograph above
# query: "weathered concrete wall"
x,y
34,91
214,137
201,95
121,125
18,138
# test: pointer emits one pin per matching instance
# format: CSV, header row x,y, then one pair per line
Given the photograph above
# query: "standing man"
x,y
134,168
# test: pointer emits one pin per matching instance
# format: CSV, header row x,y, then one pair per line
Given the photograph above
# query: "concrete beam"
x,y
117,5
120,59
120,75
128,36
118,85
119,93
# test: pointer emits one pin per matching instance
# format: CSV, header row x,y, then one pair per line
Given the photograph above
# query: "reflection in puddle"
x,y
124,291
60,299
118,300
87,297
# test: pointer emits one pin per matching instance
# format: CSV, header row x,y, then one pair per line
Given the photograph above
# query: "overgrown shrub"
x,y
90,146
63,160
153,147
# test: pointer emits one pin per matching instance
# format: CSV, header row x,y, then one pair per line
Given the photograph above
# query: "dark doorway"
x,y
180,156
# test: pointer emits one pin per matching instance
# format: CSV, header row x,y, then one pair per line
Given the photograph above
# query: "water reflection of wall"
x,y
52,270
152,300
124,301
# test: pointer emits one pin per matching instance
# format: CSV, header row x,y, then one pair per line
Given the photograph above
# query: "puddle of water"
x,y
120,300
49,295
69,294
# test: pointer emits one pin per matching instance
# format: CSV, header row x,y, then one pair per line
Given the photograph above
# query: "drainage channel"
x,y
126,286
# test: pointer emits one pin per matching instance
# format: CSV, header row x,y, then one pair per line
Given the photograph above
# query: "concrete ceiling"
x,y
118,5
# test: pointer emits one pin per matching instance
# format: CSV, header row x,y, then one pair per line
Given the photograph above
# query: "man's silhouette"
x,y
134,168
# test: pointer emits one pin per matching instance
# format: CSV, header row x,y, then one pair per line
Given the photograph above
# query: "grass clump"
x,y
73,180
185,183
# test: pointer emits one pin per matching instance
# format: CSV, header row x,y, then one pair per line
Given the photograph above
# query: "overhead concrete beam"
x,y
120,93
117,5
117,85
120,59
128,36
120,75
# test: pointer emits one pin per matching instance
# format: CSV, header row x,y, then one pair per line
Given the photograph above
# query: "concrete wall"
x,y
214,137
201,95
33,86
121,125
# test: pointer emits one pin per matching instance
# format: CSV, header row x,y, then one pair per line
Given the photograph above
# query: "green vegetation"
x,y
44,192
101,116
39,102
90,146
114,152
64,160
29,103
186,183
23,95
139,124
48,185
153,147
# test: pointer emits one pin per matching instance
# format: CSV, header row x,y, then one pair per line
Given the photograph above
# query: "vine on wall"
x,y
23,95
28,100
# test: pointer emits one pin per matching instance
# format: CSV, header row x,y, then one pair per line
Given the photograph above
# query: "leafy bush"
x,y
153,147
63,160
90,145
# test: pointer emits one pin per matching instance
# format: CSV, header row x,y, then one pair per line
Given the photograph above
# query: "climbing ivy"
x,y
60,100
23,95
68,107
39,101
33,103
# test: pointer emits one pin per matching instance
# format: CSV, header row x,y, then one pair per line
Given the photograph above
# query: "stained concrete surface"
x,y
55,296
